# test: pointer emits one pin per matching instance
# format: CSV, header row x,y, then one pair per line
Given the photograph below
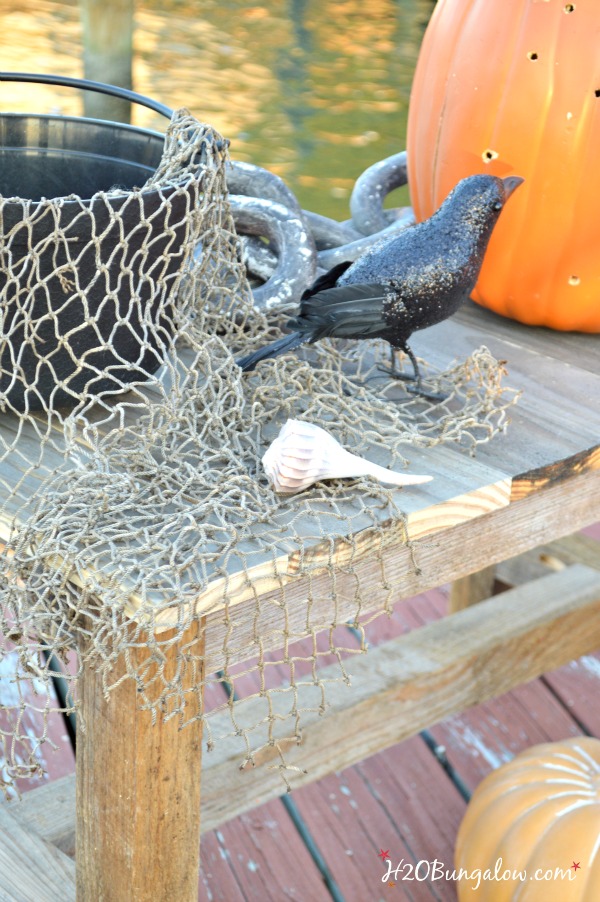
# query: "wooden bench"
x,y
137,833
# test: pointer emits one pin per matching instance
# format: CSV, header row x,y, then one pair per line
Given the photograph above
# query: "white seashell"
x,y
303,454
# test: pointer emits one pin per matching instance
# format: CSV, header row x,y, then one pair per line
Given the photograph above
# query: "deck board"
x,y
491,734
32,870
577,687
484,737
423,825
218,882
385,803
259,855
346,814
55,757
401,798
381,789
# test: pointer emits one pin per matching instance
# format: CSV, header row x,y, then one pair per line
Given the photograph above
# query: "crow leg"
x,y
395,373
414,379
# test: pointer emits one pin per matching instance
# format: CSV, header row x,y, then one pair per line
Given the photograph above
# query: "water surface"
x,y
314,90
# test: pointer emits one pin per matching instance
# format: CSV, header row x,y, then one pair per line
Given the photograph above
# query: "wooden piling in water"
x,y
107,54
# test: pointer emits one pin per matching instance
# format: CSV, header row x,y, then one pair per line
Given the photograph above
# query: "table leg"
x,y
472,589
138,791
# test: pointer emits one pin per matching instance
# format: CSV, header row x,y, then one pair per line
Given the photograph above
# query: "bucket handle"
x,y
83,84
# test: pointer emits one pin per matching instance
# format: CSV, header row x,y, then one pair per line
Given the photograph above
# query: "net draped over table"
x,y
141,503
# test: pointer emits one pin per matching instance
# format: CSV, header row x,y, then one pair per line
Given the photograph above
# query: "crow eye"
x,y
497,205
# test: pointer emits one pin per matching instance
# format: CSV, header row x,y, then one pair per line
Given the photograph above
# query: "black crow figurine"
x,y
403,283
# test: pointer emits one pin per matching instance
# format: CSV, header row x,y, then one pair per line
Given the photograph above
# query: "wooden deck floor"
x,y
323,840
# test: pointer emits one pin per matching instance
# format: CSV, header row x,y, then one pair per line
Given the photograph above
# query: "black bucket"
x,y
68,330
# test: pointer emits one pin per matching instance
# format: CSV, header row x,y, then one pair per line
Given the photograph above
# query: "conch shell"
x,y
303,454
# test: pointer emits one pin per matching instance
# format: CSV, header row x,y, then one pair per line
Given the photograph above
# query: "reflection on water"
x,y
315,90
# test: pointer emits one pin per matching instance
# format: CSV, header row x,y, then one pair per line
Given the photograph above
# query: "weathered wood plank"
x,y
472,589
401,801
421,800
422,677
30,867
558,510
417,680
138,787
218,883
576,686
576,349
575,549
267,857
553,419
34,708
49,811
107,54
482,738
552,437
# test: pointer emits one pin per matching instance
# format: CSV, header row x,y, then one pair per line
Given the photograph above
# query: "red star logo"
x,y
383,855
576,865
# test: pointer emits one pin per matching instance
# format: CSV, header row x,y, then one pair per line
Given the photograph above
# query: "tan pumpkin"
x,y
538,815
513,87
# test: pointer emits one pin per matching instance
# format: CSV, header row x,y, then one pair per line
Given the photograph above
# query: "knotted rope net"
x,y
133,500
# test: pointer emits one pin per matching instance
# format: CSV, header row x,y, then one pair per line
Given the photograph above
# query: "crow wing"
x,y
346,311
328,279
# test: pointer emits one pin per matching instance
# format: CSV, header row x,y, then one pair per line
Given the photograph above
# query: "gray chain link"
x,y
285,247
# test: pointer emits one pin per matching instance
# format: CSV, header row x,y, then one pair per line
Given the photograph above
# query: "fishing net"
x,y
133,496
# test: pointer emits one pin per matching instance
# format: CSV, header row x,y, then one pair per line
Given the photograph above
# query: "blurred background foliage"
x,y
314,90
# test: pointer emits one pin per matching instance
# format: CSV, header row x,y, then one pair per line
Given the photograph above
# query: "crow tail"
x,y
287,343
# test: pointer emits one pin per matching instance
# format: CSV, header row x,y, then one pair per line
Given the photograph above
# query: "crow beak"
x,y
511,183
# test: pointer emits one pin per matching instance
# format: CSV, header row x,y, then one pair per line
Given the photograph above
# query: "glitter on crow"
x,y
403,283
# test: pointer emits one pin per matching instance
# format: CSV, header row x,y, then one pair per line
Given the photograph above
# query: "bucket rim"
x,y
58,117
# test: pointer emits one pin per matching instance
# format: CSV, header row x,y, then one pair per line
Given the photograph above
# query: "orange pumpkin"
x,y
536,814
513,87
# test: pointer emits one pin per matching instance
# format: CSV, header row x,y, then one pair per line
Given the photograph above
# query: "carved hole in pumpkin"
x,y
574,280
597,92
489,155
532,55
569,7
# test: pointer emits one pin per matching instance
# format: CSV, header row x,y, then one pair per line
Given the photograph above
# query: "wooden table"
x,y
138,832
